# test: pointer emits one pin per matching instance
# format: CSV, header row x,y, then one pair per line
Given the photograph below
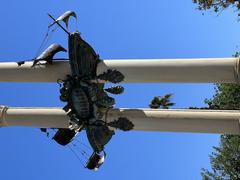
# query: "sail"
x,y
65,18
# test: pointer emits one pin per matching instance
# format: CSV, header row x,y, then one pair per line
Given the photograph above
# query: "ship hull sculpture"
x,y
86,98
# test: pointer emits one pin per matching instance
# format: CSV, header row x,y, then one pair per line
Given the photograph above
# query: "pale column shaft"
x,y
209,70
201,121
34,117
181,120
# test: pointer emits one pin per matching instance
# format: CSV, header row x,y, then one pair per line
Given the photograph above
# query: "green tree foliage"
x,y
225,160
217,5
161,102
227,96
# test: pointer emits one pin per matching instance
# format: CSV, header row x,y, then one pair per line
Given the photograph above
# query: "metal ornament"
x,y
115,90
85,97
95,161
48,54
122,123
64,17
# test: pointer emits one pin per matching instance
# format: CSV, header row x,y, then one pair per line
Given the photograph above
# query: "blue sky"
x,y
116,29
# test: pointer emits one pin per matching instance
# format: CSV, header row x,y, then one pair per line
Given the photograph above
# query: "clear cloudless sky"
x,y
116,29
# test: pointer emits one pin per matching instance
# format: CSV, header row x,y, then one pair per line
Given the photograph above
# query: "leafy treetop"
x,y
217,5
225,160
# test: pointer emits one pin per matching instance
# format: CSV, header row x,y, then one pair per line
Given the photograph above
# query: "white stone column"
x,y
200,121
208,70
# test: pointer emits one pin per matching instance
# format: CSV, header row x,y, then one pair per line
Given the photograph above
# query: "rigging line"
x,y
83,153
85,156
42,43
58,24
45,40
50,35
76,155
80,150
82,144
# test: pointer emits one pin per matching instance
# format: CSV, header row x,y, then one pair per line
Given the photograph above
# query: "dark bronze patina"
x,y
86,98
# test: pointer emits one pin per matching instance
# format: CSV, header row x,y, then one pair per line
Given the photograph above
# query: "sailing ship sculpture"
x,y
84,93
90,108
